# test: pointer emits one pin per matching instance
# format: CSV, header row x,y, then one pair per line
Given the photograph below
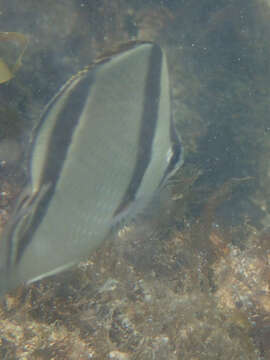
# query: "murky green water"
x,y
190,281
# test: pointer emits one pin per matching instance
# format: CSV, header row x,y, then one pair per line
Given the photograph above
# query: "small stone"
x,y
117,355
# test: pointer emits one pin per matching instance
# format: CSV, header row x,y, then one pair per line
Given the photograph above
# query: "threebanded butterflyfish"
x,y
105,144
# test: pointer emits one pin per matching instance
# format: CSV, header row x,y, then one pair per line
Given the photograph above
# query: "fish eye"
x,y
169,155
175,159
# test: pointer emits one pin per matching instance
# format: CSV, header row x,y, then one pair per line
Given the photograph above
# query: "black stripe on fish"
x,y
58,146
148,128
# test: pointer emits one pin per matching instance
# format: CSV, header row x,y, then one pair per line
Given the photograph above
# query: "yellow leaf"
x,y
5,73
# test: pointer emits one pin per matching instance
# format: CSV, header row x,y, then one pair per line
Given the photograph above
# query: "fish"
x,y
104,145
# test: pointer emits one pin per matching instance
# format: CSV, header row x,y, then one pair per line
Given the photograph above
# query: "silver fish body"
x,y
105,143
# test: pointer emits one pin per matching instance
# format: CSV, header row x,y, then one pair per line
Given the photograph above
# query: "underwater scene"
x,y
135,180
